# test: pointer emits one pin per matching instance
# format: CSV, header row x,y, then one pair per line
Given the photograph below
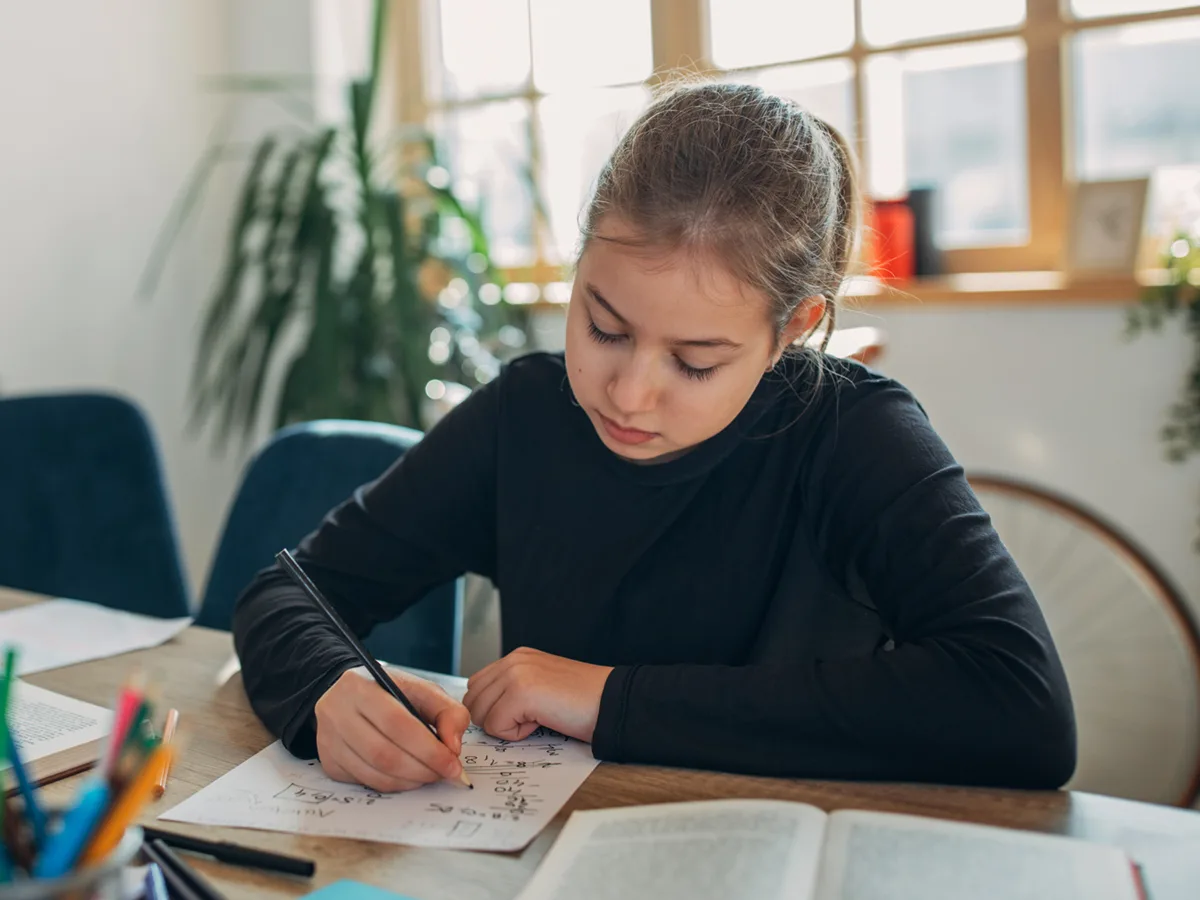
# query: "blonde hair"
x,y
732,170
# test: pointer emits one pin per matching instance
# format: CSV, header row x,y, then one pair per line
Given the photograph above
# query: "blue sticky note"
x,y
354,890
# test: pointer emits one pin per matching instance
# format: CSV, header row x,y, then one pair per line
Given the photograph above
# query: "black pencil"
x,y
234,854
285,559
179,885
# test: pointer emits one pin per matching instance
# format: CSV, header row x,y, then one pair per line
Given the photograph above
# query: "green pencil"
x,y
10,669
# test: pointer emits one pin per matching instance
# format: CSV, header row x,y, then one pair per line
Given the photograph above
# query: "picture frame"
x,y
1105,227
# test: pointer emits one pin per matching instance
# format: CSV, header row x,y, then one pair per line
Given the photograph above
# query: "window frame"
x,y
680,45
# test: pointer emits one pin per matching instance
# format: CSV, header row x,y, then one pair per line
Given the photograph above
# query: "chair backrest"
x,y
302,473
84,511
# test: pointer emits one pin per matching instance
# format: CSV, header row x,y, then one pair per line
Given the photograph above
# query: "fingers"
x,y
388,754
448,716
501,706
364,735
403,730
342,763
480,701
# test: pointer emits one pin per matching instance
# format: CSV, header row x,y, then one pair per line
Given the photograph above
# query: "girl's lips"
x,y
625,435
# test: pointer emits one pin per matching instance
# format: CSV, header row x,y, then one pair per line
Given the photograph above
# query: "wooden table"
x,y
224,732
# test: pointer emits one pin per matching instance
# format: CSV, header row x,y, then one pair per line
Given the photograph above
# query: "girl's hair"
x,y
752,177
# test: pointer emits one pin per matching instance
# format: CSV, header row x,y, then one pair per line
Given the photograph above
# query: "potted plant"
x,y
1175,294
352,263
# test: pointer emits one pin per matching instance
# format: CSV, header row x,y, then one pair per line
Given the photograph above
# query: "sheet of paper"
x,y
518,789
44,722
64,632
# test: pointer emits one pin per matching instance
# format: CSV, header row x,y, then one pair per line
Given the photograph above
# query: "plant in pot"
x,y
351,264
1175,295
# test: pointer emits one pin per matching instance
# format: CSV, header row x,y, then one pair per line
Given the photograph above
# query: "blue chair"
x,y
303,472
83,507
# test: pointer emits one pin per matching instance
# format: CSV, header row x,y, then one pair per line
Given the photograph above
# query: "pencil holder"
x,y
102,881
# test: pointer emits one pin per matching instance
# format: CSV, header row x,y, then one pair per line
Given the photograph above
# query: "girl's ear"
x,y
805,319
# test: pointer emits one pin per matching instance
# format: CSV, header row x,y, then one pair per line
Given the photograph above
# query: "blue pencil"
x,y
33,810
156,885
67,843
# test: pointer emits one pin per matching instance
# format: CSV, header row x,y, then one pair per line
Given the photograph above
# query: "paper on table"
x,y
518,789
64,632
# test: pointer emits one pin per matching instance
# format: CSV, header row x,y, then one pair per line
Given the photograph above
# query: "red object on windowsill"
x,y
890,238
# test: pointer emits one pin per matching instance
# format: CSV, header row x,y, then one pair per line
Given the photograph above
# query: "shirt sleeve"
x,y
970,690
427,520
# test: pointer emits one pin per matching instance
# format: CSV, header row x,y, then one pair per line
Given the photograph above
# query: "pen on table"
x,y
234,854
156,885
285,559
178,888
168,735
171,863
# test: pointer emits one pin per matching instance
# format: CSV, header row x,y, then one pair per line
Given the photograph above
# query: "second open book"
x,y
771,850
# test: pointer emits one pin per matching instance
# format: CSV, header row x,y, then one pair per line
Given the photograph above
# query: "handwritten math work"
x,y
518,789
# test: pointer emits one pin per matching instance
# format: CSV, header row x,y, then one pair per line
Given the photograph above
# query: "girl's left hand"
x,y
528,688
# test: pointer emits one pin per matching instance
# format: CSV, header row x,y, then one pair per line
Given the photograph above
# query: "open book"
x,y
56,735
769,849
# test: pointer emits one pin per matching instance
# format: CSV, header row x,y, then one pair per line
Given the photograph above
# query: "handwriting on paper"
x,y
519,786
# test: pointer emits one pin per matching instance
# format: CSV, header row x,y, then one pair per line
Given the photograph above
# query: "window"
x,y
1136,103
526,94
995,105
955,120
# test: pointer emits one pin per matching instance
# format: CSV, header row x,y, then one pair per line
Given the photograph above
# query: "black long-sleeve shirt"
x,y
815,591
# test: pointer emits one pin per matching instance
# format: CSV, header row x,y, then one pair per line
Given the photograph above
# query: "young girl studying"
x,y
713,549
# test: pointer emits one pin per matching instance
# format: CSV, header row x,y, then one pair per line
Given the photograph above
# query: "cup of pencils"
x,y
108,879
80,850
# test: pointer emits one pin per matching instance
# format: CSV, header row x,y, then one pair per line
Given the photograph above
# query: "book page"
x,y
882,856
715,850
44,723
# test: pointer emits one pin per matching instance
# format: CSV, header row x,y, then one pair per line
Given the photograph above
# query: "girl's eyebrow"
x,y
723,343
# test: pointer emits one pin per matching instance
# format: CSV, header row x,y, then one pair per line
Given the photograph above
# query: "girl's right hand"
x,y
365,736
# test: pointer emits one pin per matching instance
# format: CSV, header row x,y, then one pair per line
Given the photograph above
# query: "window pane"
x,y
1137,104
484,48
954,120
486,149
825,89
760,32
890,21
1089,8
578,132
580,44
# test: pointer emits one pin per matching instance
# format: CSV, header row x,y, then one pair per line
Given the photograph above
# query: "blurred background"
x,y
241,214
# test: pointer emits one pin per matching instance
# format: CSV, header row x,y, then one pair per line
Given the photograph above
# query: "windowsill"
x,y
1002,288
994,288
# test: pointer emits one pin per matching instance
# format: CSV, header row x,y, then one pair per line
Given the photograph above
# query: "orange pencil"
x,y
168,734
128,805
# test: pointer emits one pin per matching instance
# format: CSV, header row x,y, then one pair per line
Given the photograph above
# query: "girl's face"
x,y
664,350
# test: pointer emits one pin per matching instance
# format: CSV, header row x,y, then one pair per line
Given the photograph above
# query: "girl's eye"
x,y
695,374
603,337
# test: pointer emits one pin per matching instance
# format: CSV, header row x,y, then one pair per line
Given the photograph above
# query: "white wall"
x,y
103,119
1057,396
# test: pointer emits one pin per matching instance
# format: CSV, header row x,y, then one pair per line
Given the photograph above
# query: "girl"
x,y
712,550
